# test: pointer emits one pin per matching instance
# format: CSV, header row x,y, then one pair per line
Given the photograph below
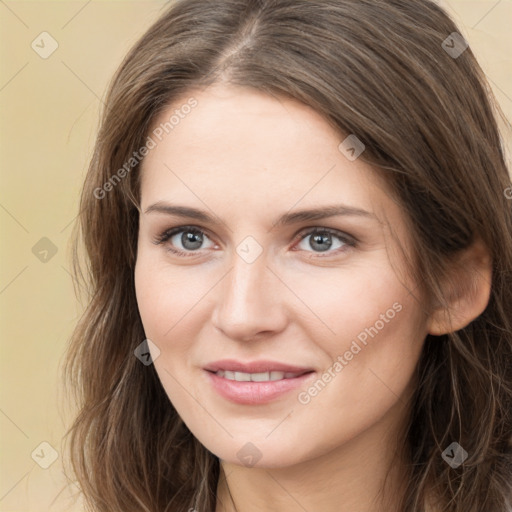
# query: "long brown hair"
x,y
383,70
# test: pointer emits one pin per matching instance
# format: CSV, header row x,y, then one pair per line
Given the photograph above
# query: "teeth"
x,y
262,377
256,377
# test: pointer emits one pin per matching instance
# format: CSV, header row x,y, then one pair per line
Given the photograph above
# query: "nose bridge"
x,y
248,302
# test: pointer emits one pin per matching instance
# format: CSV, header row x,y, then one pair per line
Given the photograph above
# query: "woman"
x,y
300,259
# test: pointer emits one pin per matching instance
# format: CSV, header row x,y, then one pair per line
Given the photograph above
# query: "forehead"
x,y
241,147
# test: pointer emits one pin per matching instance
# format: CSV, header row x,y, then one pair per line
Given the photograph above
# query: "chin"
x,y
259,454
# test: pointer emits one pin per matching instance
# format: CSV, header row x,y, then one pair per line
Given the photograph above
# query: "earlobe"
x,y
467,292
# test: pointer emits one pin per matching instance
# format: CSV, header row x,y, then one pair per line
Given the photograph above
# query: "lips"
x,y
257,393
257,382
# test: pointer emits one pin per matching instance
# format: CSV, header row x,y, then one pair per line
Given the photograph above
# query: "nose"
x,y
250,301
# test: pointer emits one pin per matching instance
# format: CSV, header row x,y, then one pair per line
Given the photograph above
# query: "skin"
x,y
247,158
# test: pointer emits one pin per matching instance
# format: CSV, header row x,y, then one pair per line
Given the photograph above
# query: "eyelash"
x,y
347,240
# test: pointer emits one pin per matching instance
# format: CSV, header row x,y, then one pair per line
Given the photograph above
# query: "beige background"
x,y
49,113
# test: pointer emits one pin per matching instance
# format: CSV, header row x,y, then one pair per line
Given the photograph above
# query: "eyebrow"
x,y
285,219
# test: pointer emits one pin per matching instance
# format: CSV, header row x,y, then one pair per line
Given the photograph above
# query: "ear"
x,y
467,291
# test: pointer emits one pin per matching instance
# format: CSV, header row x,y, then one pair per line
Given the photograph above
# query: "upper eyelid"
x,y
178,229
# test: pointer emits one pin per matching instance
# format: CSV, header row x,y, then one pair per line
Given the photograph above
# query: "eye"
x,y
188,240
322,240
189,237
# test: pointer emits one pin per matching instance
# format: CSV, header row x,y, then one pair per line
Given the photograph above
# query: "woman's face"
x,y
313,314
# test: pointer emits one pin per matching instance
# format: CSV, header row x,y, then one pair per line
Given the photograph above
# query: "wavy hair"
x,y
382,70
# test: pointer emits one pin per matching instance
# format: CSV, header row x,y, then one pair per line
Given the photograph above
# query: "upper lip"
x,y
255,366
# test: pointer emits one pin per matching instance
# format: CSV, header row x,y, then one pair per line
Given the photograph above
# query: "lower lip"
x,y
253,393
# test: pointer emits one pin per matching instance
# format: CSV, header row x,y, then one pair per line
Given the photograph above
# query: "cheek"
x,y
148,290
379,330
166,296
374,359
349,300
